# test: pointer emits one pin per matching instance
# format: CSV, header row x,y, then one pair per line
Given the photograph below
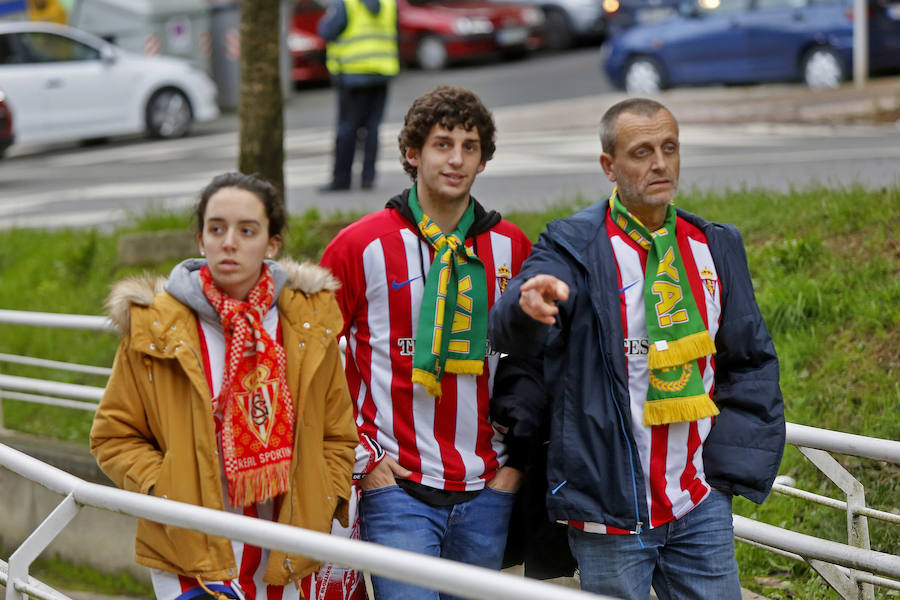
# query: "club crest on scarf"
x,y
677,333
257,409
258,403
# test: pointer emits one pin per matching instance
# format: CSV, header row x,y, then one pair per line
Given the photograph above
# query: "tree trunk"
x,y
261,106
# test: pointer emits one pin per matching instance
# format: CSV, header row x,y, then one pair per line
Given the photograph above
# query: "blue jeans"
x,y
473,532
692,557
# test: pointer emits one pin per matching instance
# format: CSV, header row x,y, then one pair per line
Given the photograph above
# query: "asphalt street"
x,y
547,110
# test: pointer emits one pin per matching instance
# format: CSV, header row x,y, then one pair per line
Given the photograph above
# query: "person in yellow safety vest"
x,y
361,52
47,10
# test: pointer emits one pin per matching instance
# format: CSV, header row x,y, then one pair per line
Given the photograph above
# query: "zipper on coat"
x,y
609,378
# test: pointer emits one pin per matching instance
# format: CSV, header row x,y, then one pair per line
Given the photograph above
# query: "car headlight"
x,y
472,26
532,16
300,43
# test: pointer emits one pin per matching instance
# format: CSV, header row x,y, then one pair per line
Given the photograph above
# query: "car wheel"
x,y
168,114
431,55
558,30
822,68
643,76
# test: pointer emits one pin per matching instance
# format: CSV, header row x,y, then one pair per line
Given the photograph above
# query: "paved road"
x,y
547,109
532,168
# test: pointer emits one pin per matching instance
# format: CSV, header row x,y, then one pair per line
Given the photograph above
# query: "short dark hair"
x,y
447,106
262,189
644,107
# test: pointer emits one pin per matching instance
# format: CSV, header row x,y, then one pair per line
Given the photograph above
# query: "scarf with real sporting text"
x,y
451,334
255,401
678,336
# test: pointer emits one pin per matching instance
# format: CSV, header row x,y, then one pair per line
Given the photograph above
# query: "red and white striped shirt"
x,y
382,263
330,583
671,455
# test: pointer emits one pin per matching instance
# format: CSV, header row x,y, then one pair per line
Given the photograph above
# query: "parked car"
x,y
567,22
435,33
746,41
7,133
64,84
306,47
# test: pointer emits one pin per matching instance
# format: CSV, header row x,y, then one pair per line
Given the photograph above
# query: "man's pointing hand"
x,y
539,295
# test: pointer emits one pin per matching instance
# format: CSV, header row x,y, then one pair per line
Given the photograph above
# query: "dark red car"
x,y
432,33
306,47
7,135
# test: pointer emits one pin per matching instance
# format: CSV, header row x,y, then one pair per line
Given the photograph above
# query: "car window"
x,y
724,7
307,6
773,4
8,54
49,47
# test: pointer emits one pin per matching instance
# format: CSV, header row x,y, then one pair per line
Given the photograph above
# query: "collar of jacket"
x,y
158,325
484,219
579,232
143,290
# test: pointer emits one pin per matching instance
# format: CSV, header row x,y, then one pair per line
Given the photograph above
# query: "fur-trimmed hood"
x,y
140,290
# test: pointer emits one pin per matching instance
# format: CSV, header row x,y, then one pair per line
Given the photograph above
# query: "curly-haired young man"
x,y
418,280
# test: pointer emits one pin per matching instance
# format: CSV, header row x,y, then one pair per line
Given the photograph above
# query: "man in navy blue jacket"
x,y
661,377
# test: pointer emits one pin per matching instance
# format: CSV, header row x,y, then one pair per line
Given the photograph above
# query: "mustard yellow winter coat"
x,y
154,427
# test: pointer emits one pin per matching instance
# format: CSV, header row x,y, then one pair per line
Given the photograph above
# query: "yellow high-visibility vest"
x,y
369,42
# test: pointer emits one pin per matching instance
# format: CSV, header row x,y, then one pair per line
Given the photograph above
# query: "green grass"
x,y
61,575
825,265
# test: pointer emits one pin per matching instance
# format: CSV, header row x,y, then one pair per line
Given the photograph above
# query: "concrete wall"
x,y
98,538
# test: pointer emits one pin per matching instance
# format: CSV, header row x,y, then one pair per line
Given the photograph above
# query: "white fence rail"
x,y
851,569
445,575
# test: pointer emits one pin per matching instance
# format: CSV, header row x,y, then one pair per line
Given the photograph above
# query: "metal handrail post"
x,y
31,548
857,524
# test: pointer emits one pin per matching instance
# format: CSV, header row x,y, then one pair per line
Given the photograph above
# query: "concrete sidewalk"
x,y
876,103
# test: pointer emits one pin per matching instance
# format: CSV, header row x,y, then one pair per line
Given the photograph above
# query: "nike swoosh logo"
x,y
402,284
627,286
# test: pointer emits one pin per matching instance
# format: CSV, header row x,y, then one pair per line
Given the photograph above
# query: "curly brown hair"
x,y
447,106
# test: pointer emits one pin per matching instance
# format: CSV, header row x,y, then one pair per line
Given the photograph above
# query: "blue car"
x,y
749,41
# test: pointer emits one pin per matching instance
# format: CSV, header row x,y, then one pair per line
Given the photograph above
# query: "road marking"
x,y
308,152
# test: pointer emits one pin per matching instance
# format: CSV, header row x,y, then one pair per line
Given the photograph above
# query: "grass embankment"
x,y
826,267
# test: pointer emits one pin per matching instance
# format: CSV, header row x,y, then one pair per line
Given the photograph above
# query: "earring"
x,y
202,252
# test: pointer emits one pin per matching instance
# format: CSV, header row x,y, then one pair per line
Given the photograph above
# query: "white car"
x,y
64,84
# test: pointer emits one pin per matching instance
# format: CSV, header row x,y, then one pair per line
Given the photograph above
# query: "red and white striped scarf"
x,y
257,409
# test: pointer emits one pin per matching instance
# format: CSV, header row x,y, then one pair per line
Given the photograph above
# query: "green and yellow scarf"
x,y
677,334
455,301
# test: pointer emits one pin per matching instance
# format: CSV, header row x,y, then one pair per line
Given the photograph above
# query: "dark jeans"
x,y
360,110
688,559
473,532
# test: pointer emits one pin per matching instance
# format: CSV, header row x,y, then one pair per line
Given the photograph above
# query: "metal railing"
x,y
434,573
851,569
41,391
849,578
